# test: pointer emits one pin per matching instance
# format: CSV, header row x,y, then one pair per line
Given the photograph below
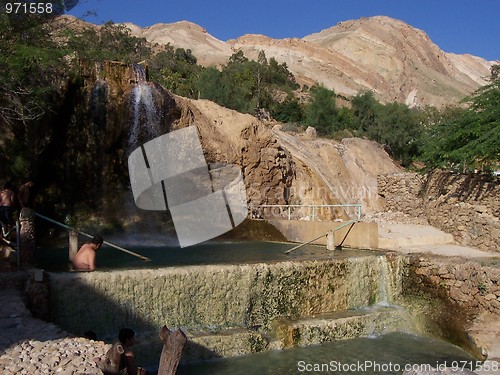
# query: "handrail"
x,y
313,206
317,238
90,236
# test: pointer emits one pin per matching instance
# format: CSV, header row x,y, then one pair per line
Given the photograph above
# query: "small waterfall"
x,y
385,283
145,117
140,73
145,103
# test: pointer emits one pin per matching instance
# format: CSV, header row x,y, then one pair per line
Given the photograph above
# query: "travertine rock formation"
x,y
282,168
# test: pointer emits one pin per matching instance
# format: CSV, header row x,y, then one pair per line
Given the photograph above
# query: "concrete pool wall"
x,y
362,235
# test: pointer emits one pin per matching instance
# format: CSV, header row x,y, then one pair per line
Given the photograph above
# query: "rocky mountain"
x,y
390,57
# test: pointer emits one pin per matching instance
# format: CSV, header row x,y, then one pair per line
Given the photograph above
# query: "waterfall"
x,y
385,283
145,117
139,73
145,103
299,303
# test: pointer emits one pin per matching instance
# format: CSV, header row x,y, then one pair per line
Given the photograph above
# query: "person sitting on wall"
x,y
126,336
85,257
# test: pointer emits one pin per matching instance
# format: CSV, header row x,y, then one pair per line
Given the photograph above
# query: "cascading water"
x,y
385,285
145,117
146,105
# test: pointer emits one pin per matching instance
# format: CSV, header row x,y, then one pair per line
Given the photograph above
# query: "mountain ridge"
x,y
395,60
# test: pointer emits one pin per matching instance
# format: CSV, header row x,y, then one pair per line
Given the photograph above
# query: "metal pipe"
x,y
18,242
313,206
90,236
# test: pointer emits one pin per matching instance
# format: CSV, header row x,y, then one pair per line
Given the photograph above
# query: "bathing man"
x,y
85,257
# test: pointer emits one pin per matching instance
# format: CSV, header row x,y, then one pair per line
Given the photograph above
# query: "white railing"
x,y
290,210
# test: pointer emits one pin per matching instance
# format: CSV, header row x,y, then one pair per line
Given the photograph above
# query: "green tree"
x,y
321,112
176,70
364,109
246,85
470,138
209,85
288,110
33,67
399,127
110,42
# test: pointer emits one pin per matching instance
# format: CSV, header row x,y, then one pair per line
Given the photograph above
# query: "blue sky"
x,y
459,26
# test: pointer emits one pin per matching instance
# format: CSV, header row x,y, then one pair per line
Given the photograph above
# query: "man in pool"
x,y
85,257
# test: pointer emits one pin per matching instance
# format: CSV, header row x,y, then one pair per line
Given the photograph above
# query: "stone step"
x,y
313,330
396,236
349,324
206,345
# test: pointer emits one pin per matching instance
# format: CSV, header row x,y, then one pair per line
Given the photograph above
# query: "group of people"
x,y
84,259
8,204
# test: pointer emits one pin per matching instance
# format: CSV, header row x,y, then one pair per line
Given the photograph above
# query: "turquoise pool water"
x,y
56,259
388,354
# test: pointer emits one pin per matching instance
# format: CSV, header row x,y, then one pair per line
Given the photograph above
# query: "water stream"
x,y
145,123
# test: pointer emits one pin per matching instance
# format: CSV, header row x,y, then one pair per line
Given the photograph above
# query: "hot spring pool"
x,y
241,294
395,350
233,252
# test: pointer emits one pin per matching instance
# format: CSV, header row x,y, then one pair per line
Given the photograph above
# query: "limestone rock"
x,y
311,132
353,56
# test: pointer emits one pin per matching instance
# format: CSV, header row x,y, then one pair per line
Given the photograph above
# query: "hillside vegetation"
x,y
40,62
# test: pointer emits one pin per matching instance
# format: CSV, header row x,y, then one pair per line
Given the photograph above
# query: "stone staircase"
x,y
348,324
286,333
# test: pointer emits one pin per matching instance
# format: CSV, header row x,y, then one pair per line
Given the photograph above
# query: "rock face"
x,y
281,168
187,35
395,60
466,284
401,61
116,109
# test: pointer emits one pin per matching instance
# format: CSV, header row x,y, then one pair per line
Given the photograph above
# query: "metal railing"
x,y
288,209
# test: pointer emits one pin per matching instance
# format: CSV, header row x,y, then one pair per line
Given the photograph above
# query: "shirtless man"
x,y
6,207
85,257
